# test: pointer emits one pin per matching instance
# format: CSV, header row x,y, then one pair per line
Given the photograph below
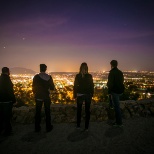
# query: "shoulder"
x,y
50,77
89,75
36,76
5,77
120,71
78,75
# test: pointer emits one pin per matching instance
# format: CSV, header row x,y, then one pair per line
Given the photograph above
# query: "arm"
x,y
9,86
34,85
75,87
92,86
51,83
110,82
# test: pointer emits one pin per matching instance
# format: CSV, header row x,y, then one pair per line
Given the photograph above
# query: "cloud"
x,y
34,23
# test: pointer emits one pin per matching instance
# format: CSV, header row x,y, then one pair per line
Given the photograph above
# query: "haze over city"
x,y
63,34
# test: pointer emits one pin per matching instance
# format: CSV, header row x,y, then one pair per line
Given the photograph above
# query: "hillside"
x,y
20,70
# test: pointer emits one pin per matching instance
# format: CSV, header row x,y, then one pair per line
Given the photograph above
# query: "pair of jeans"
x,y
116,103
5,116
80,99
39,103
110,101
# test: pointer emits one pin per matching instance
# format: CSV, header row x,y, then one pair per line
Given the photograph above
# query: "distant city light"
x,y
64,85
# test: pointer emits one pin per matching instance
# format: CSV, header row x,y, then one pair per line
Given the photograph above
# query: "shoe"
x,y
85,130
111,107
38,129
78,128
7,133
117,125
49,129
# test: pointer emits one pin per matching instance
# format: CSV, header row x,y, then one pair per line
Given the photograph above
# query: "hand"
x,y
55,91
14,104
74,99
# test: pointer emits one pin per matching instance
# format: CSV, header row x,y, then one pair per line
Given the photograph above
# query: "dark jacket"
x,y
115,81
6,89
41,86
83,85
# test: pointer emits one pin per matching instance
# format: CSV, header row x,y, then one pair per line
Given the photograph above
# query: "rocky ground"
x,y
135,137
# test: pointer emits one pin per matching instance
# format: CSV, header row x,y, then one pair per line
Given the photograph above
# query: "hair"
x,y
43,67
83,69
114,63
5,70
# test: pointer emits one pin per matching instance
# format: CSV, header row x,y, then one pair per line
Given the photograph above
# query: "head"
x,y
84,68
114,63
43,67
5,70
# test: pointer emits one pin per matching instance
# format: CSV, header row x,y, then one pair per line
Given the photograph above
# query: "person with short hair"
x,y
116,87
41,86
83,91
7,99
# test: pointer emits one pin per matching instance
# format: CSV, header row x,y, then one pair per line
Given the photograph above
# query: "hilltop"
x,y
20,70
136,137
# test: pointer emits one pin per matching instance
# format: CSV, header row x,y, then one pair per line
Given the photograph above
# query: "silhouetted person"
x,y
83,92
7,99
42,84
115,89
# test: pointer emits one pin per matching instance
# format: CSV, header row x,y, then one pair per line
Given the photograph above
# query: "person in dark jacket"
x,y
7,99
115,89
83,91
41,86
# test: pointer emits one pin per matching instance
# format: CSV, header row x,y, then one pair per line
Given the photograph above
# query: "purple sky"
x,y
63,34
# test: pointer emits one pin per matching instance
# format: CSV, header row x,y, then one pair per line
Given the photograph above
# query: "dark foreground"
x,y
136,137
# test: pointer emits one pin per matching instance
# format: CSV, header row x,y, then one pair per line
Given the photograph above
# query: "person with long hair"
x,y
83,91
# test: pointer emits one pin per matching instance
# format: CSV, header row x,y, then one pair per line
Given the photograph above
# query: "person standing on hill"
x,y
7,99
115,86
83,91
41,86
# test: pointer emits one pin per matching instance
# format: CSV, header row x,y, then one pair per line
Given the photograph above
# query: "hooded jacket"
x,y
6,89
41,86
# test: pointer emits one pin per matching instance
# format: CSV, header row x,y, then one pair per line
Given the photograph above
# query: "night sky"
x,y
63,34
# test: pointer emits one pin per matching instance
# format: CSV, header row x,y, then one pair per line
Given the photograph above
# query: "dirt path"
x,y
136,137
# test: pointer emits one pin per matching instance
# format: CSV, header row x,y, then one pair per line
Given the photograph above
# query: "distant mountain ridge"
x,y
20,70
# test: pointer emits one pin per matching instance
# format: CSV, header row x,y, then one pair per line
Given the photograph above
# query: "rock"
x,y
99,112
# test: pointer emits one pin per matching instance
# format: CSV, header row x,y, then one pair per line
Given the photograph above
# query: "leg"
x,y
38,115
110,101
9,126
47,103
115,98
79,109
7,114
1,117
87,110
